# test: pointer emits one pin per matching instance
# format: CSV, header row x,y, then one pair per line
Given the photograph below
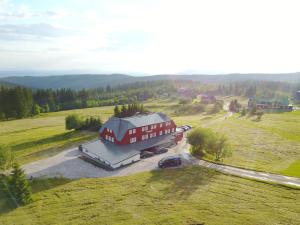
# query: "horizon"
x,y
145,38
4,74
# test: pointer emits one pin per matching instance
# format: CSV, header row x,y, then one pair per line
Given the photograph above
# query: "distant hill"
x,y
6,84
88,81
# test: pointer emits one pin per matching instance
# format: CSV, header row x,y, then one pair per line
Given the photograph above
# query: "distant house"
x,y
271,104
207,99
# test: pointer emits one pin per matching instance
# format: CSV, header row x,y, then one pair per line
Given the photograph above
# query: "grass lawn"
x,y
192,195
45,135
272,144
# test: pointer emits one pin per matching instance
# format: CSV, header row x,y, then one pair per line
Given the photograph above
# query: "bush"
x,y
204,141
6,158
92,123
198,139
243,112
36,109
217,107
73,122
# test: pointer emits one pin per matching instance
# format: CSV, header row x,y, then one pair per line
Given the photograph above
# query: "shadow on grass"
x,y
7,204
182,182
45,141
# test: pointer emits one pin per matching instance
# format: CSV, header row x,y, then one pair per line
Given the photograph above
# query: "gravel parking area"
x,y
68,164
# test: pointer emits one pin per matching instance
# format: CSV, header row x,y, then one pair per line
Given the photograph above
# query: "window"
x,y
173,130
145,128
132,140
160,132
145,136
130,131
160,125
112,139
134,131
106,137
154,126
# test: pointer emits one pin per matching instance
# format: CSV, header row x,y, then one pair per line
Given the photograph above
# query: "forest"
x,y
20,102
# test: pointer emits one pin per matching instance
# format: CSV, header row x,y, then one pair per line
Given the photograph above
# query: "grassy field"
x,y
182,196
272,144
45,135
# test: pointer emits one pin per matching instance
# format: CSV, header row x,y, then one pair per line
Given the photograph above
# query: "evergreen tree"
x,y
19,186
123,111
116,111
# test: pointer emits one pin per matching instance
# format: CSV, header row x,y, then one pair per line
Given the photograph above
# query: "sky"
x,y
150,36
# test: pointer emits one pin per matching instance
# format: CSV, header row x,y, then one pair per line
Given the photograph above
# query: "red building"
x,y
138,128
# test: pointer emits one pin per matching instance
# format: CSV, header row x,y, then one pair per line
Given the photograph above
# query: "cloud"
x,y
10,11
30,32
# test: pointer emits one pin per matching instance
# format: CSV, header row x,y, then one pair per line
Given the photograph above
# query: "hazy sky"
x,y
150,36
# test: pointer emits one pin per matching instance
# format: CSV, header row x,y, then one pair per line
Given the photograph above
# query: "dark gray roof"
x,y
113,154
121,125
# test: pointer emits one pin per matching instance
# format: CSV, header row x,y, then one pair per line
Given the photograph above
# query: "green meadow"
x,y
272,144
192,195
45,135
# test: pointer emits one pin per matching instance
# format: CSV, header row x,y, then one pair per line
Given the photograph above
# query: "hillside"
x,y
192,195
93,81
6,84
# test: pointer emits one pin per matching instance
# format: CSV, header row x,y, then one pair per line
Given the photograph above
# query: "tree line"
x,y
20,102
129,110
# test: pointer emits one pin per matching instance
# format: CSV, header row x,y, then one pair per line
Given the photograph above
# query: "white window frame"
x,y
130,131
132,140
134,131
160,125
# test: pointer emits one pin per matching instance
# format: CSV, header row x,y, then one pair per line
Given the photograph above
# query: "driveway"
x,y
68,164
270,177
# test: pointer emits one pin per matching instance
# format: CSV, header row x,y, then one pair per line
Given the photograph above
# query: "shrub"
x,y
6,158
198,139
73,122
36,109
92,123
204,141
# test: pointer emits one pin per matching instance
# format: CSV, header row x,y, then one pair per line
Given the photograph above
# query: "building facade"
x,y
271,105
138,128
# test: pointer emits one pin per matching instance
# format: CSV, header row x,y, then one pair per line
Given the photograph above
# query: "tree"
x,y
198,139
217,146
36,109
243,112
73,121
117,111
6,158
259,114
183,101
123,111
19,186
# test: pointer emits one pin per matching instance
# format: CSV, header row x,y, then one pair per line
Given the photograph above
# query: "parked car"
x,y
146,154
157,150
170,161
